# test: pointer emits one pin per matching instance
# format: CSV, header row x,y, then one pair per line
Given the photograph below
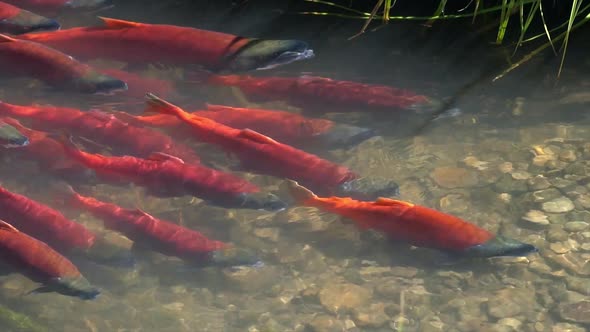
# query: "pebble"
x,y
572,262
541,196
536,217
521,175
567,156
509,303
580,285
454,177
325,323
372,316
538,182
453,203
578,312
576,226
558,205
338,296
559,248
583,201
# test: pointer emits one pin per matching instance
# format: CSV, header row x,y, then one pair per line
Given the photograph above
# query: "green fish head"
x,y
267,54
10,137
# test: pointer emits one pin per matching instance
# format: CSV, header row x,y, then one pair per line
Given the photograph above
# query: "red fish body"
x,y
417,225
41,263
165,175
15,20
163,236
55,6
48,154
44,223
286,127
141,43
21,58
138,84
310,91
102,128
261,153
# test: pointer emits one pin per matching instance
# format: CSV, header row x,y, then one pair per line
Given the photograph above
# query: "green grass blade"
x,y
574,12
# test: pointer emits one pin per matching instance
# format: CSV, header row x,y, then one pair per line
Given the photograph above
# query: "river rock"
x,y
578,312
325,323
538,182
576,226
536,217
372,316
344,296
541,196
454,177
510,302
580,285
454,203
558,205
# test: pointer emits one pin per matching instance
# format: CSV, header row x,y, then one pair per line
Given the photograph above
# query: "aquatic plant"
x,y
526,12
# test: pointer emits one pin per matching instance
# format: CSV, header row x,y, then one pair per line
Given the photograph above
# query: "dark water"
x,y
513,162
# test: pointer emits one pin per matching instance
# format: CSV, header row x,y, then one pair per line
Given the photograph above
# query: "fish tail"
x,y
64,193
156,104
299,192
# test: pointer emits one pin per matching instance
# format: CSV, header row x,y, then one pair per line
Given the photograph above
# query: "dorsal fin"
x,y
391,202
113,23
5,39
141,213
8,227
162,156
217,108
256,136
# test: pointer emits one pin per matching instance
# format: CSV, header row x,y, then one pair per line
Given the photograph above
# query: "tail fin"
x,y
299,192
156,104
63,192
19,126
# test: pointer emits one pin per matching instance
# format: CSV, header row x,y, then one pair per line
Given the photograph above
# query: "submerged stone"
x,y
558,205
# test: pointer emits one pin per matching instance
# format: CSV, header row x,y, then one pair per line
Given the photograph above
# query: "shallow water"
x,y
515,162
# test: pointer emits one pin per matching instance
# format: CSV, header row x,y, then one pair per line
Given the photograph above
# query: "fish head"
x,y
499,246
343,135
88,4
97,83
25,22
233,256
77,286
368,188
10,137
267,54
260,201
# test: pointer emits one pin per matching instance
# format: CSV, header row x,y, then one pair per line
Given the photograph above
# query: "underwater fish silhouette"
x,y
325,94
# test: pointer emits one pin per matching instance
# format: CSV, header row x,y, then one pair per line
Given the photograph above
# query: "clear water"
x,y
323,274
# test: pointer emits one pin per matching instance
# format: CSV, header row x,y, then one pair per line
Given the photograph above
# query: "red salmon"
x,y
165,175
417,225
325,94
21,58
102,128
42,264
287,127
142,43
160,235
264,155
15,20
